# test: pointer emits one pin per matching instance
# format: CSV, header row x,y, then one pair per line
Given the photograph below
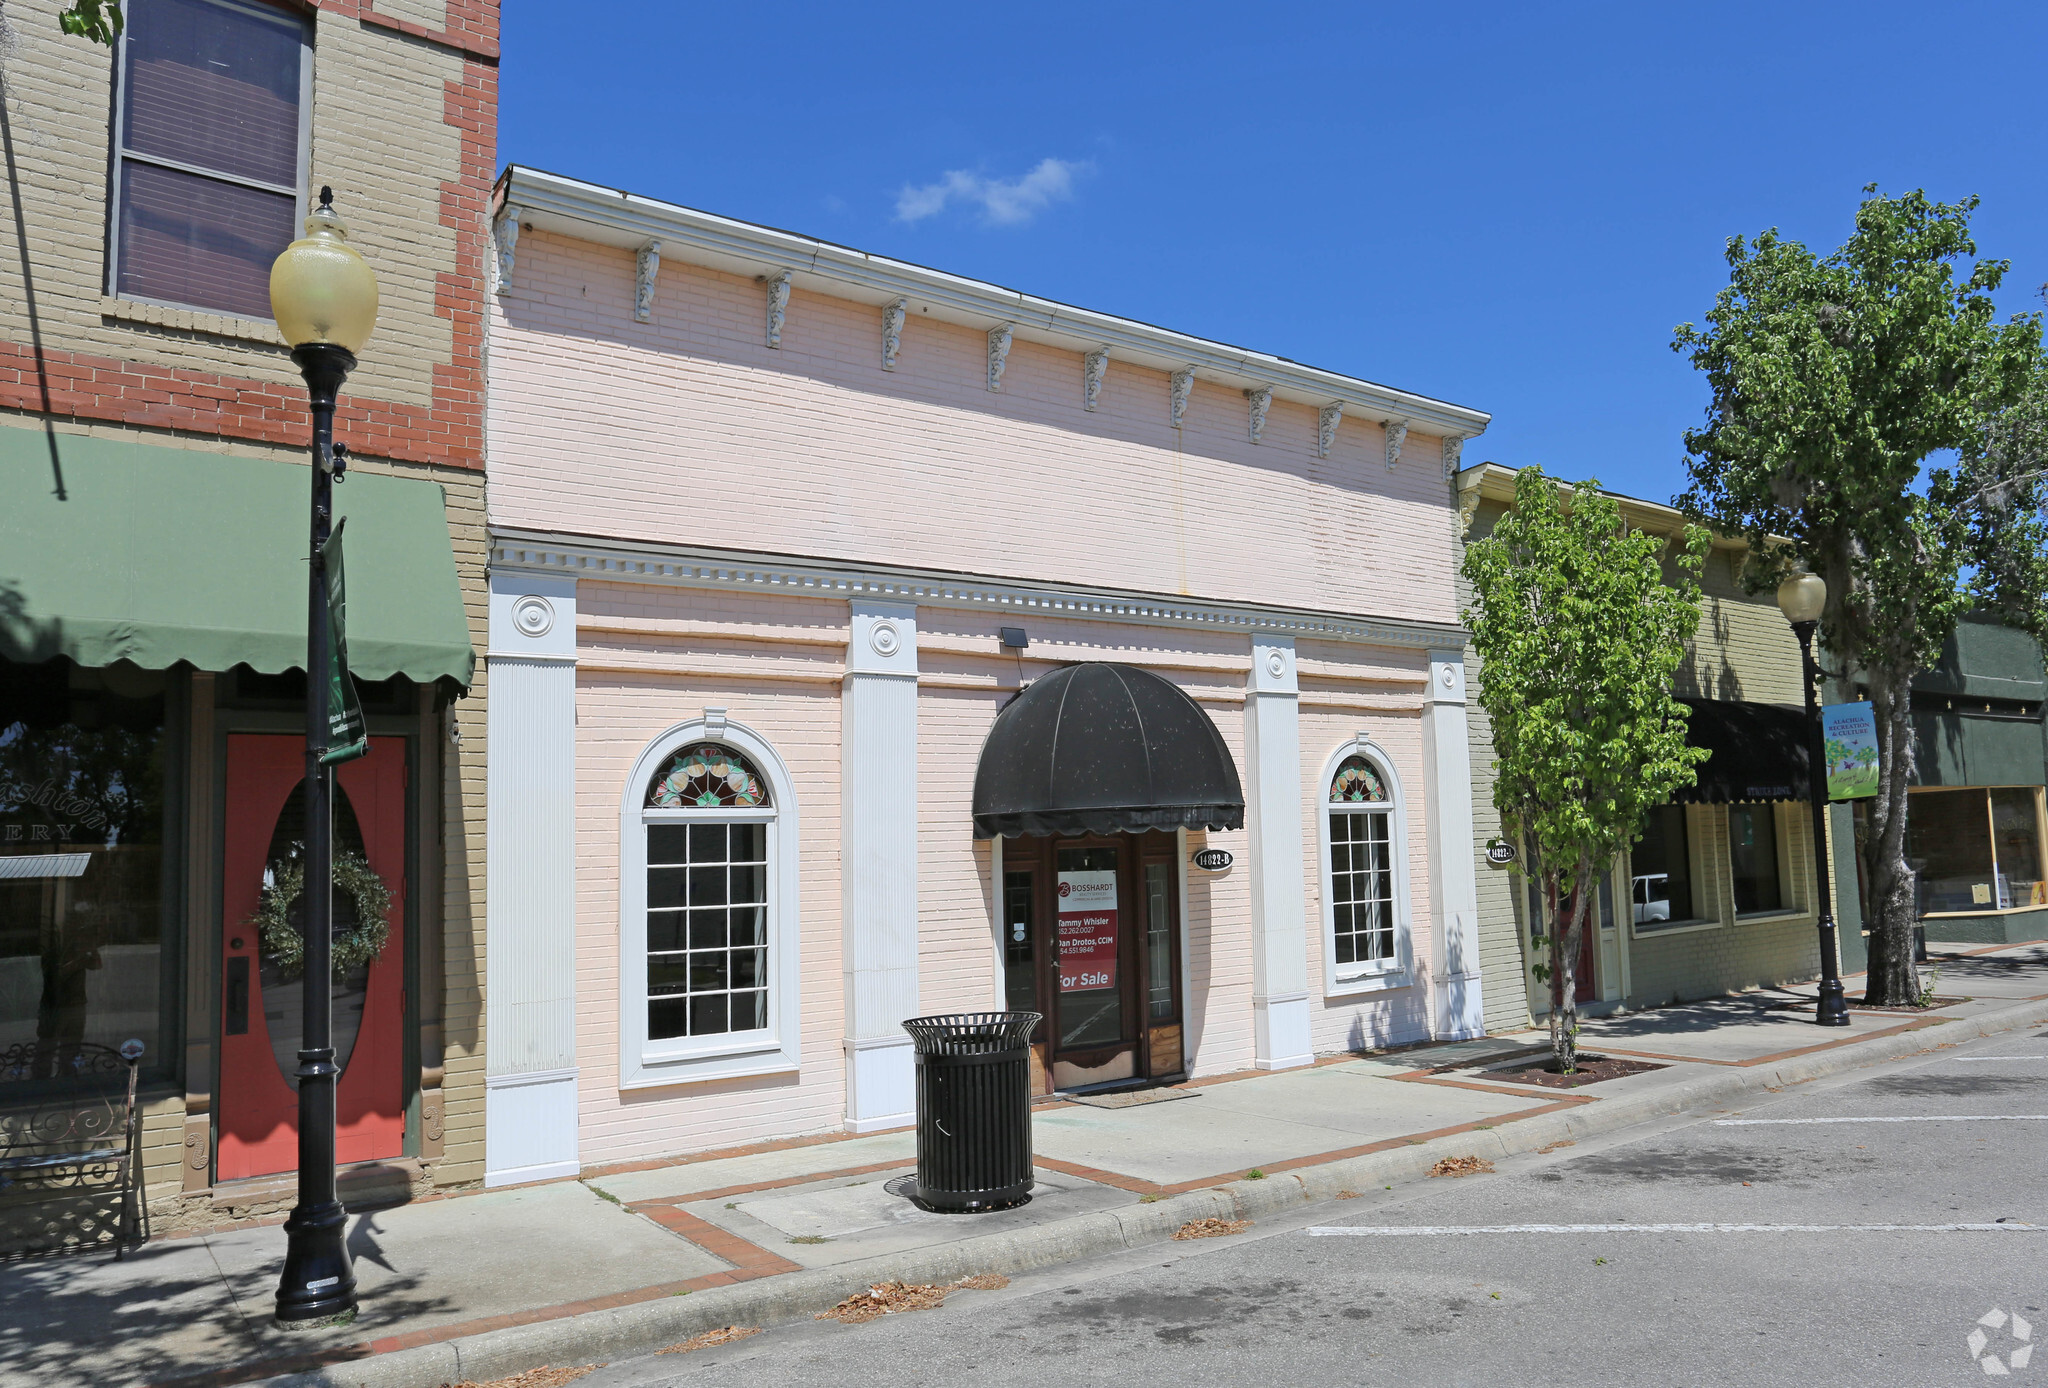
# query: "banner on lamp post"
x,y
347,735
1848,733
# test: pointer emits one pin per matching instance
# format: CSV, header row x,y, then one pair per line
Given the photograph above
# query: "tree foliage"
x,y
1839,382
98,20
1579,630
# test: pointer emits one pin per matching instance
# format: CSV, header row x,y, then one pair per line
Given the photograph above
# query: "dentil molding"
x,y
677,566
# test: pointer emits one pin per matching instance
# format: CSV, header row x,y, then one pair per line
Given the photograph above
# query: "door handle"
x,y
235,1009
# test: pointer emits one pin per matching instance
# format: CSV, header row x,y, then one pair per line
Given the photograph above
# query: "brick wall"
x,y
403,127
811,449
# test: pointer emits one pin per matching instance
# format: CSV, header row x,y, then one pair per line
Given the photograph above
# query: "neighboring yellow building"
x,y
1718,895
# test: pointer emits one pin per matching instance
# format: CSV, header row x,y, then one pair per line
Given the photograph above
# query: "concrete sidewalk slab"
x,y
1254,1123
1728,1031
862,1219
697,1179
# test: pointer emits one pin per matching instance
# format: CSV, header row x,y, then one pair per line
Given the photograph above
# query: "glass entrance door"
x,y
1091,939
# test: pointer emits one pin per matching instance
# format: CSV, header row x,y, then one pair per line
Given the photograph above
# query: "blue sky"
x,y
1507,206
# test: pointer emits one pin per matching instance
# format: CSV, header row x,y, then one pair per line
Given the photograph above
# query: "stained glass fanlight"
x,y
1357,780
707,776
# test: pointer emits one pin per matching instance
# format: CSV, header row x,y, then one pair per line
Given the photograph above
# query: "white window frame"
x,y
774,1049
118,154
1397,972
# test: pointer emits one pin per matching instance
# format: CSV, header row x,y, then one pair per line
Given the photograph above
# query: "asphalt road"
x,y
1281,1305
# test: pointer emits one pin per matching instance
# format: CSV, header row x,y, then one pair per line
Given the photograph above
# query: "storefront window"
x,y
1753,859
1660,867
82,871
1976,849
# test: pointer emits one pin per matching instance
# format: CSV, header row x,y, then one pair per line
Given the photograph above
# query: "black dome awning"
x,y
1759,752
1101,748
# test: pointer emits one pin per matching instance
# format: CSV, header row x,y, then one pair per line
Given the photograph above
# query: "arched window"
x,y
708,968
1364,872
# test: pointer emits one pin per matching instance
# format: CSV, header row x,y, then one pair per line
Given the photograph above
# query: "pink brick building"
x,y
780,529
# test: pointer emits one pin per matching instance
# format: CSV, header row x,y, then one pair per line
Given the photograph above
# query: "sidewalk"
x,y
628,1260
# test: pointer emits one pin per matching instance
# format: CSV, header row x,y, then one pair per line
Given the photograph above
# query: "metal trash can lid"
x,y
971,1033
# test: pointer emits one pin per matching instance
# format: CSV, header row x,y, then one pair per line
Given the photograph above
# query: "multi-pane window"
x,y
708,896
208,151
1361,868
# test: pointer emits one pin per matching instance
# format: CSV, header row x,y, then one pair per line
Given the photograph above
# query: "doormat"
x,y
1130,1098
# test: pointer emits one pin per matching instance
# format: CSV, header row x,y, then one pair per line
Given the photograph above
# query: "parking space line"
x,y
1915,1118
1430,1230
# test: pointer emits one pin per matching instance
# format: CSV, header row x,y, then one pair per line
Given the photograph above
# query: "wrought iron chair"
x,y
70,1145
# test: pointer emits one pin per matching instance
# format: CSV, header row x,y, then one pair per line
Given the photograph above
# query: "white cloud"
x,y
1003,201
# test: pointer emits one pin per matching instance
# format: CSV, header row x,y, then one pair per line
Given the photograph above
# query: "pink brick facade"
x,y
709,507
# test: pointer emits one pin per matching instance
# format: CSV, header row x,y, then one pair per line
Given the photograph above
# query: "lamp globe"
x,y
321,291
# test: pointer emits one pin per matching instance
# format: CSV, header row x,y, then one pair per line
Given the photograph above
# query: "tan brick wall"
x,y
404,129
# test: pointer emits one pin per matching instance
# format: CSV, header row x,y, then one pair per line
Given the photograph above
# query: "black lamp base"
x,y
318,1281
1834,1006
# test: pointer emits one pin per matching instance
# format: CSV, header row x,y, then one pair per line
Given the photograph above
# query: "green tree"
x,y
1840,383
98,20
1578,632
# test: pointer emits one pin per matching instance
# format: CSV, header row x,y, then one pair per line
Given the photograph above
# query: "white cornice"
x,y
570,207
688,567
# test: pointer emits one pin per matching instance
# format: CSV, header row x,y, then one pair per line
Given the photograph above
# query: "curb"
x,y
642,1328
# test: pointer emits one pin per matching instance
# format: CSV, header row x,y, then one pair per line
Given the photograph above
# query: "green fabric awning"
x,y
112,550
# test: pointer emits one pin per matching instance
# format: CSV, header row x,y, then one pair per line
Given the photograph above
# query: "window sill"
x,y
191,320
1370,983
1772,917
1684,927
1980,911
729,1065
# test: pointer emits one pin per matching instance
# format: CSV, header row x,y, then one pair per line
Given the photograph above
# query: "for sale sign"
x,y
1087,931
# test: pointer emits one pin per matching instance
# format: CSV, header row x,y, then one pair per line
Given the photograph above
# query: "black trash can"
x,y
973,1109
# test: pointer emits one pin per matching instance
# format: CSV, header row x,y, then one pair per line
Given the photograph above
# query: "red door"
x,y
258,1101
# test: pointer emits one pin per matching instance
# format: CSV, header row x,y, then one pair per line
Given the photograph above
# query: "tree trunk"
x,y
1891,913
1568,925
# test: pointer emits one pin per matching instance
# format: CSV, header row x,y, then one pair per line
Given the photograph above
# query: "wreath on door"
x,y
360,944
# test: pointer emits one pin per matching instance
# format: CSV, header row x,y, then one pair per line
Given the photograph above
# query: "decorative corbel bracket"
x,y
1468,506
1260,401
1326,427
1182,383
1094,367
506,232
778,304
998,354
1454,449
1397,434
647,267
892,332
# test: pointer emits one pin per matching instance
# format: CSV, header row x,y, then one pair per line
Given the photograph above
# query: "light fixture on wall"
x,y
1803,598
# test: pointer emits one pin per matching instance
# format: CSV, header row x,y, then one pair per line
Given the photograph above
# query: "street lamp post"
x,y
1802,598
324,298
